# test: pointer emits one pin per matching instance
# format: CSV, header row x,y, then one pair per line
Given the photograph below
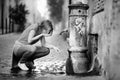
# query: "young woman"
x,y
24,50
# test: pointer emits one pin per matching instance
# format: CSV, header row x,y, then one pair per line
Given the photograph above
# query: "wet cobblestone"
x,y
52,67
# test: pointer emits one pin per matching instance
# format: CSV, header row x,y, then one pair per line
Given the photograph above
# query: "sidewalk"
x,y
38,77
6,44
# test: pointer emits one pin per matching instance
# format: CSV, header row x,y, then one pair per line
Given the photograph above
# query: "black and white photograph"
x,y
59,39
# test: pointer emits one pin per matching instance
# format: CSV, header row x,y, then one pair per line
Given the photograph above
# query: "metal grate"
x,y
98,6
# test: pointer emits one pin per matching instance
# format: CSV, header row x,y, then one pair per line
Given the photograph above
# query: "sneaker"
x,y
23,66
30,65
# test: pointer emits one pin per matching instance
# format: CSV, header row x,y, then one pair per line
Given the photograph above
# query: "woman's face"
x,y
46,28
46,31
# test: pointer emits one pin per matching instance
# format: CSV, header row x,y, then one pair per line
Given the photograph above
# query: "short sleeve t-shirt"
x,y
24,36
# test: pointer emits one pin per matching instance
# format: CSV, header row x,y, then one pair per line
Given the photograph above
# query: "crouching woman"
x,y
24,50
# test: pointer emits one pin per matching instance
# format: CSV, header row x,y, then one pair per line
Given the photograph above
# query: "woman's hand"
x,y
45,35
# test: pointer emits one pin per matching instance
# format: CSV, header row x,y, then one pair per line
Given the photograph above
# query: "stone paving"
x,y
50,67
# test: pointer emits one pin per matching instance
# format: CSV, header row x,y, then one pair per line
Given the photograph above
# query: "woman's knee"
x,y
32,50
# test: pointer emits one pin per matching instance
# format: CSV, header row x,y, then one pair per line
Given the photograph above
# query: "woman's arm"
x,y
32,38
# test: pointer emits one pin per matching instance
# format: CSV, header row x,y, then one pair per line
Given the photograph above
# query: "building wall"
x,y
0,13
4,20
107,25
115,41
5,13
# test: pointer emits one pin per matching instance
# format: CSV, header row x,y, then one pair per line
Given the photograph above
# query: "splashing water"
x,y
43,8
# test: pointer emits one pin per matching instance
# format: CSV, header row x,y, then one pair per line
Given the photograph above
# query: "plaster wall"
x,y
107,25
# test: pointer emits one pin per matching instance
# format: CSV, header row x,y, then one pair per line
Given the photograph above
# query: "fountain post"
x,y
77,38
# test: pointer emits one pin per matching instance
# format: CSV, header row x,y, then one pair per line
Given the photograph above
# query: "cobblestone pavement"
x,y
50,67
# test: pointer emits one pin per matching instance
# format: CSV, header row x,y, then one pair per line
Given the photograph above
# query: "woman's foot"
x,y
30,65
23,66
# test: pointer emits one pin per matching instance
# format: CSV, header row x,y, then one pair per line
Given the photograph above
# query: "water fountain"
x,y
77,61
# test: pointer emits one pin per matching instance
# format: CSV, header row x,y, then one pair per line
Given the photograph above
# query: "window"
x,y
98,6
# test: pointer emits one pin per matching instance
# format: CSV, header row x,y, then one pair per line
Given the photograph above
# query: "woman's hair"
x,y
47,24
